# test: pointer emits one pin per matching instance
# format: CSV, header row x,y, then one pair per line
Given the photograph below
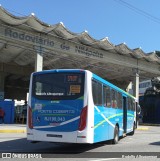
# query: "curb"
x,y
148,124
143,128
13,131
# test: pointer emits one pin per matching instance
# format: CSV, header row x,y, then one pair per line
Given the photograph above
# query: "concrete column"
x,y
2,81
136,91
39,59
136,84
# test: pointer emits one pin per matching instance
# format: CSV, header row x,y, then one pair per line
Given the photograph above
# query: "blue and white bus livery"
x,y
77,106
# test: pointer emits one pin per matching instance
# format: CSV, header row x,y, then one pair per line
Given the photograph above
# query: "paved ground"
x,y
145,141
21,128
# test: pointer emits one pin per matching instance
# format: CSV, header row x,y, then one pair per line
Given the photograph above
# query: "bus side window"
x,y
94,88
97,92
133,105
132,108
119,100
114,100
129,104
106,96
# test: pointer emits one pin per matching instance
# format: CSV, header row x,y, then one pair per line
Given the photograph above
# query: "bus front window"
x,y
58,86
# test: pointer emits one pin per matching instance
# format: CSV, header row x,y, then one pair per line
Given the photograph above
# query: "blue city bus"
x,y
77,106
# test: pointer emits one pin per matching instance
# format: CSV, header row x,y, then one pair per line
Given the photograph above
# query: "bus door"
x,y
124,114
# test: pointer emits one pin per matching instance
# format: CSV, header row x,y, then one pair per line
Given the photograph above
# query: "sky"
x,y
134,22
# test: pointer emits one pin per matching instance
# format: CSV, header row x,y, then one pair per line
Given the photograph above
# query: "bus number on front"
x,y
55,119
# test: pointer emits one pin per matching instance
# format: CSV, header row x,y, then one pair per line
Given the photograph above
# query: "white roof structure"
x,y
22,37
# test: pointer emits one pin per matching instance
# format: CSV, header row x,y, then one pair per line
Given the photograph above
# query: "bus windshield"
x,y
58,86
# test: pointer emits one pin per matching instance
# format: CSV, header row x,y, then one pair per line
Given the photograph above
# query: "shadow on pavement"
x,y
22,145
155,143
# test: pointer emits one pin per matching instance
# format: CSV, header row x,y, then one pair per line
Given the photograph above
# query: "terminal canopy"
x,y
21,38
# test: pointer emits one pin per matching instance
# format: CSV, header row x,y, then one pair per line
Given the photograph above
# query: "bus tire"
x,y
116,135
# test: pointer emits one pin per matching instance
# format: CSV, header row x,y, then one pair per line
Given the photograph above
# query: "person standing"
x,y
2,113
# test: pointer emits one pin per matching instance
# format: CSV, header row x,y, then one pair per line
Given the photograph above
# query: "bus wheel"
x,y
116,135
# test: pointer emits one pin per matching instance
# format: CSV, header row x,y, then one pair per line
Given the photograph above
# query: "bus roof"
x,y
113,86
58,71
